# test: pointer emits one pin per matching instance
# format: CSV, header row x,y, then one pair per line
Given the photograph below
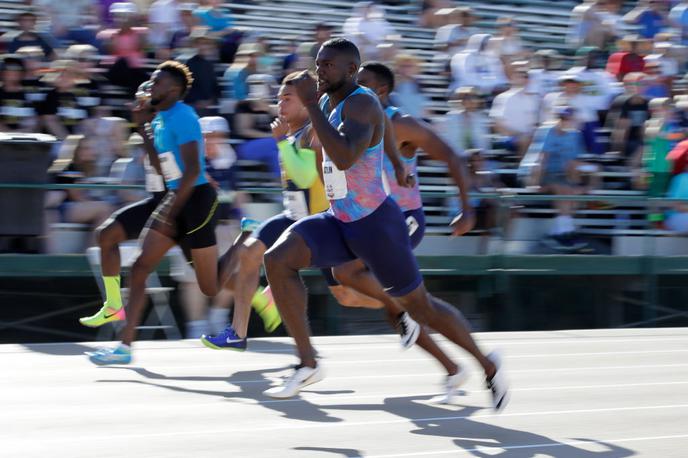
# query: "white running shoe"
x,y
498,385
408,329
452,384
301,378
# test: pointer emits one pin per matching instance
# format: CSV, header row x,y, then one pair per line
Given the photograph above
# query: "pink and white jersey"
x,y
358,191
406,198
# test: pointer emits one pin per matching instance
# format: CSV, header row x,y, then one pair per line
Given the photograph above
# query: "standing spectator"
x,y
125,45
515,113
17,113
213,16
650,15
466,127
477,67
588,27
662,134
323,32
506,44
205,89
598,86
628,59
236,75
677,217
627,117
544,76
558,174
60,113
678,17
583,106
252,124
27,35
164,20
407,94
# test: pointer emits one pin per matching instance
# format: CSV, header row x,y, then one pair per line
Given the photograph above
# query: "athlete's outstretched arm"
x,y
360,116
421,134
394,156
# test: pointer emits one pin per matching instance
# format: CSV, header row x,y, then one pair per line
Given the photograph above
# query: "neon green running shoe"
x,y
106,314
264,304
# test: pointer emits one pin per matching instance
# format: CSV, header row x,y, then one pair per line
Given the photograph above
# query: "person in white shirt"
x,y
466,127
507,44
585,112
601,87
164,19
476,66
545,73
515,112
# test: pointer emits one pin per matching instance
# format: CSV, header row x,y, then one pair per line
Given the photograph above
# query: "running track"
x,y
605,393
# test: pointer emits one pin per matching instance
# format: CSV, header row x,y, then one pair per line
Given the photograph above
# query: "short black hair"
x,y
344,46
382,72
180,72
12,60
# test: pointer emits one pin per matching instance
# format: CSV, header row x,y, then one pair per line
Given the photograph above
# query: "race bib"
x,y
335,180
412,225
154,182
295,204
169,166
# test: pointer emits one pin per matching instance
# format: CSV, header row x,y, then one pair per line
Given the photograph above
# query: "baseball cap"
x,y
210,124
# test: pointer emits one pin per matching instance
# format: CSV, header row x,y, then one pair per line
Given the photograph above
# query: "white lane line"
x,y
360,362
364,346
299,425
554,443
312,398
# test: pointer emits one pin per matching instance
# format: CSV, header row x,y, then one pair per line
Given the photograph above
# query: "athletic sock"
x,y
196,328
113,297
217,319
259,301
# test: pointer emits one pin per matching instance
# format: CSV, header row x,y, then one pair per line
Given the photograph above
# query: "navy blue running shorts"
x,y
272,229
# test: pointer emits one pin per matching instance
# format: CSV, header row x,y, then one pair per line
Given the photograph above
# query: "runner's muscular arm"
x,y
421,135
394,156
344,146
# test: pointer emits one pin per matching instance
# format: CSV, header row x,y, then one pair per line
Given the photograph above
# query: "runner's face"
x,y
333,68
288,104
367,78
163,87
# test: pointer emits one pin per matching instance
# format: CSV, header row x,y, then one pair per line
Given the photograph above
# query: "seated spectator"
x,y
34,64
477,67
678,17
677,218
78,164
219,153
588,27
205,89
108,135
545,72
598,86
662,134
17,113
650,15
506,44
187,23
367,28
428,12
89,93
407,93
27,36
252,124
267,62
627,117
515,113
612,21
323,32
654,83
452,38
210,14
60,113
236,75
465,127
559,174
71,20
584,109
627,59
125,46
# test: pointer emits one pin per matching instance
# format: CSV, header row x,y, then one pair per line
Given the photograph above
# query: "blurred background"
x,y
572,119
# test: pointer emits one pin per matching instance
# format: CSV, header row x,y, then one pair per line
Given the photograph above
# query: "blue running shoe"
x,y
249,225
106,356
226,340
